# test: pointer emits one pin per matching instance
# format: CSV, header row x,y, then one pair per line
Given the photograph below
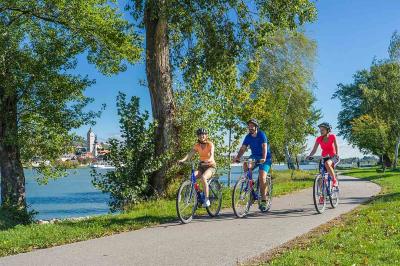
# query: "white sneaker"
x,y
206,203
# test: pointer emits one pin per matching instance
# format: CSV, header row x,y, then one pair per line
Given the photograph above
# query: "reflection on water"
x,y
75,196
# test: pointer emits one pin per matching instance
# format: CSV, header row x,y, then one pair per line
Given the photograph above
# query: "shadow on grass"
x,y
387,197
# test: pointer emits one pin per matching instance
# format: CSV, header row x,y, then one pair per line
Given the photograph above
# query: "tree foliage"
x,y
371,100
39,44
132,155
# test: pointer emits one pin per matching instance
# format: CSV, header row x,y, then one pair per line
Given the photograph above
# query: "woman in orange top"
x,y
206,168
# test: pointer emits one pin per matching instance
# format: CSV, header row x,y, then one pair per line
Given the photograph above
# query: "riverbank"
x,y
23,238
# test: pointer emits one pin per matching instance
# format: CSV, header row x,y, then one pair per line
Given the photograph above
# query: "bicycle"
x,y
246,191
189,196
323,188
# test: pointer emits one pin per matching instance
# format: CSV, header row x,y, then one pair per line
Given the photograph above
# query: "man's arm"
x,y
264,152
240,153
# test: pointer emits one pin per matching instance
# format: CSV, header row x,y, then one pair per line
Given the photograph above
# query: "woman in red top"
x,y
329,148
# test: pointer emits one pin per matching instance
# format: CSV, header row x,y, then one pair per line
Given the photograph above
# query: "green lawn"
x,y
23,238
370,235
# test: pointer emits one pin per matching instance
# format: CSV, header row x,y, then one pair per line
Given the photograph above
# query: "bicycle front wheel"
x,y
241,197
318,194
215,197
186,202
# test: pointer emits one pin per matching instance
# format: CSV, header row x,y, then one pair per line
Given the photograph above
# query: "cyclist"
x,y
329,147
258,142
206,169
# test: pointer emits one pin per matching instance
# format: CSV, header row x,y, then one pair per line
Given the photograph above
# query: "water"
x,y
75,196
70,196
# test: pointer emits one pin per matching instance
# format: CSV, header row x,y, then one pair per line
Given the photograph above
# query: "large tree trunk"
x,y
12,174
396,153
159,78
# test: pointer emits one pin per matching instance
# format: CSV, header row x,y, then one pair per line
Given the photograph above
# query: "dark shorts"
x,y
204,167
333,159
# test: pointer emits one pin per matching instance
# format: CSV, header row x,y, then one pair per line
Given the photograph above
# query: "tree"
x,y
282,97
213,38
132,155
371,135
40,101
370,101
382,94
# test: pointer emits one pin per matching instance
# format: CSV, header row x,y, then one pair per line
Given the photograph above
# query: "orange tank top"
x,y
204,153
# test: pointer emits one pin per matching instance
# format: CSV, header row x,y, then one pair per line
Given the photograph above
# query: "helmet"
x,y
326,125
201,131
253,121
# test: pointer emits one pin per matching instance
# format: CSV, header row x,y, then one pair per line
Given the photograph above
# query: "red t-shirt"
x,y
328,148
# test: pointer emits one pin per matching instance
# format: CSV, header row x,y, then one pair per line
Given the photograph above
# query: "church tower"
x,y
91,137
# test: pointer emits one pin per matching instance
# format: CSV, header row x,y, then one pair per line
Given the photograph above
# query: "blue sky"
x,y
349,34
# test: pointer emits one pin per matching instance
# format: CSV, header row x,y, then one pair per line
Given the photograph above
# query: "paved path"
x,y
220,241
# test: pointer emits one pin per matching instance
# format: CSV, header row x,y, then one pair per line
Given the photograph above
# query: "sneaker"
x,y
263,206
206,203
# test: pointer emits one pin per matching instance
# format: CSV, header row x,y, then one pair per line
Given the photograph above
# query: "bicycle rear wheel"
x,y
319,194
215,197
241,197
186,202
334,197
268,192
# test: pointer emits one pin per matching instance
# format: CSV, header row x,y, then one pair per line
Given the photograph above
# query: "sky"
x,y
349,34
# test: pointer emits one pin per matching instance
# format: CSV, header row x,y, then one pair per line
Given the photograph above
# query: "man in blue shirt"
x,y
260,151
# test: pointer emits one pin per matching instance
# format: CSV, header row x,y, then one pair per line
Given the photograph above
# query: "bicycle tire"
x,y
319,194
186,190
215,197
334,195
241,193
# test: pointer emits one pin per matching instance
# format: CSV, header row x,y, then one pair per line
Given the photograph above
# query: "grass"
x,y
369,235
22,238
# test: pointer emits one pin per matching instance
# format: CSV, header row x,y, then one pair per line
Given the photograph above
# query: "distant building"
x,y
91,138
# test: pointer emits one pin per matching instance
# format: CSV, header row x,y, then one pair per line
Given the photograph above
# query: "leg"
x,y
329,168
206,175
262,179
197,173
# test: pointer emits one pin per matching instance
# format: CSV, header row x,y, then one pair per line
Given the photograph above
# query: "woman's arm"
x,y
188,156
314,150
212,153
336,147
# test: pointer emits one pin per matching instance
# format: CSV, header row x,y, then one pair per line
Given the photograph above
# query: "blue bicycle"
x,y
323,188
190,197
247,190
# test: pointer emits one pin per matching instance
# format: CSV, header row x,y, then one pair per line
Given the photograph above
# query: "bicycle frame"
x,y
326,184
249,177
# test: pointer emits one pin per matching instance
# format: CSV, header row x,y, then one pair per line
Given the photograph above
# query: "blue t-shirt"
x,y
255,144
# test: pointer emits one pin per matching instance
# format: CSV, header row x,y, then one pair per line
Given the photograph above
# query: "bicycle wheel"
x,y
186,202
334,196
319,194
241,197
268,192
215,197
